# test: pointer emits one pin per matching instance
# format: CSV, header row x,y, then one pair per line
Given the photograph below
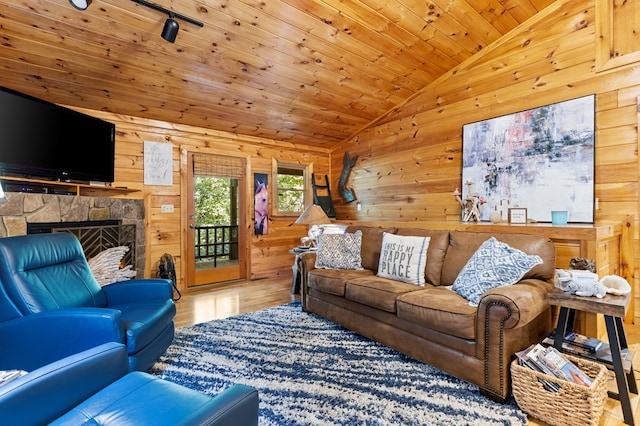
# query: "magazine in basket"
x,y
550,361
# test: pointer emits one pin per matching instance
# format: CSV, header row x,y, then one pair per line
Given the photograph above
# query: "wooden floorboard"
x,y
234,298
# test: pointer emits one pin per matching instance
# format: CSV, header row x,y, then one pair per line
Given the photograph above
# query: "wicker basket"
x,y
573,404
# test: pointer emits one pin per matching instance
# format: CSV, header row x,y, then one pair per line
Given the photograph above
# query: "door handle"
x,y
192,226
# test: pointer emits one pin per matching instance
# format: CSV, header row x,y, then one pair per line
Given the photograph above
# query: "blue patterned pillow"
x,y
494,264
339,251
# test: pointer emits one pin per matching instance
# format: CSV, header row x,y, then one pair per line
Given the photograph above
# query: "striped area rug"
x,y
309,371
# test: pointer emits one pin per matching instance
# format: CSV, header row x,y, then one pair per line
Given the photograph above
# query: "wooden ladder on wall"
x,y
322,196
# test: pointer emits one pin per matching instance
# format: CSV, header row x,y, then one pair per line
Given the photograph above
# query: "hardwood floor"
x,y
234,298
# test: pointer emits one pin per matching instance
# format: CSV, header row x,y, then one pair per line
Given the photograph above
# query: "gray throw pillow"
x,y
339,251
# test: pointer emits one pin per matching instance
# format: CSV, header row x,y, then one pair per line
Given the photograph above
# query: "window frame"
x,y
307,170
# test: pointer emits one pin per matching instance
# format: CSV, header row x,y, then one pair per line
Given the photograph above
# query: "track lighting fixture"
x,y
80,4
170,29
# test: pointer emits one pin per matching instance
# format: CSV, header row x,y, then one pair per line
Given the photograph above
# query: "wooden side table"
x,y
614,309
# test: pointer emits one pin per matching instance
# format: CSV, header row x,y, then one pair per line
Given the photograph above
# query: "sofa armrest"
x,y
46,393
509,319
139,289
38,339
237,405
522,302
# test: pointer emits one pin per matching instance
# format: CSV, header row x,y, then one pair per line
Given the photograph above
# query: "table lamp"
x,y
313,215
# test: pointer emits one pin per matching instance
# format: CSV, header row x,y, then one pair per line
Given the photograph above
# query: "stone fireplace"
x,y
102,221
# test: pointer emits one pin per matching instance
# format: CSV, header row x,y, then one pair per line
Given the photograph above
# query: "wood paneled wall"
x,y
410,161
269,254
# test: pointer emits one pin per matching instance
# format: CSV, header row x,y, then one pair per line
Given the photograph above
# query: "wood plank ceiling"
x,y
311,72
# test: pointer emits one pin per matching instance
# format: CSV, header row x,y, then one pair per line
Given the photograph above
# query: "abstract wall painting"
x,y
540,159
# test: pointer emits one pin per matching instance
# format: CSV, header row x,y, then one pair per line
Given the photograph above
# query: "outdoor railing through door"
x,y
216,243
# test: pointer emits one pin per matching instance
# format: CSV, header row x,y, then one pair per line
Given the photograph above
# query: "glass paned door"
x,y
215,218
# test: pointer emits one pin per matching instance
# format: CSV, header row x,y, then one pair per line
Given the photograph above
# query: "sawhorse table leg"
x,y
626,381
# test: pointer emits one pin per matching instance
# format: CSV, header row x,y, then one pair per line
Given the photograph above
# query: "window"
x,y
291,188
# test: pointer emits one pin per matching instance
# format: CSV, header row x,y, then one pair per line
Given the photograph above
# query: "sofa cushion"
x,y
440,309
438,244
333,281
376,292
371,244
463,244
403,258
494,264
339,251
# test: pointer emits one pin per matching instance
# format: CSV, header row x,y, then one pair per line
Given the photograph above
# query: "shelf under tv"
x,y
42,186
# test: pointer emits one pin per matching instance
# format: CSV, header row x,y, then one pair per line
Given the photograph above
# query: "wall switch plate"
x,y
166,208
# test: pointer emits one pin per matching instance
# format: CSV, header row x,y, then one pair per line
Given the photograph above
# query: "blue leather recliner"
x,y
68,384
48,274
95,387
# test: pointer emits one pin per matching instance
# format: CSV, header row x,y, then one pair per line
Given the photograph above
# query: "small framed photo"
x,y
517,215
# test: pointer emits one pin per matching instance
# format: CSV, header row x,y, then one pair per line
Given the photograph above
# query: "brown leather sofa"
x,y
434,324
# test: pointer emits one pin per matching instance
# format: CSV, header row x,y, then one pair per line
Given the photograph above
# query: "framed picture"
x,y
541,159
158,163
517,215
261,203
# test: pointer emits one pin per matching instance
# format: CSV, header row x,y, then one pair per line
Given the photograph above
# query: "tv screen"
x,y
44,140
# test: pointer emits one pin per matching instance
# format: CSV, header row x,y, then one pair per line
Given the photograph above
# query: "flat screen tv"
x,y
43,140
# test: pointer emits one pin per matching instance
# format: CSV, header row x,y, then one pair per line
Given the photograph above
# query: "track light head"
x,y
80,4
170,29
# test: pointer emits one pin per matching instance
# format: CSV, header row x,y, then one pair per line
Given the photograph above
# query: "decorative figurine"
x,y
471,204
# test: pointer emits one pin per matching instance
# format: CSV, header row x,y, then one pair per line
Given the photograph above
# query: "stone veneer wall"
x,y
22,208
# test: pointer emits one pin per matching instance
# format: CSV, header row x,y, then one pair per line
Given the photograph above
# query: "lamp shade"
x,y
313,215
